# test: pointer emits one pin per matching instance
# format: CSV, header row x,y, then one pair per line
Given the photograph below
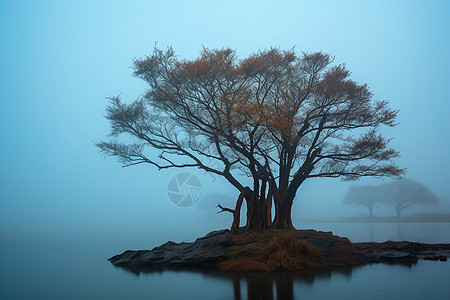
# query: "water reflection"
x,y
318,284
261,286
271,286
372,232
400,233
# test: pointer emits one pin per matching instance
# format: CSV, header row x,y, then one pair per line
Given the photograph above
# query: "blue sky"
x,y
60,59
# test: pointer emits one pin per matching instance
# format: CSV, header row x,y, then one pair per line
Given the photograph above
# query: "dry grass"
x,y
279,254
290,253
245,264
282,250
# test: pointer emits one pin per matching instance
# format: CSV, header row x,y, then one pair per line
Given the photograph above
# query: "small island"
x,y
274,250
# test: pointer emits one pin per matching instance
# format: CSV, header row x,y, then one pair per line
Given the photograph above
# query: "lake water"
x,y
75,267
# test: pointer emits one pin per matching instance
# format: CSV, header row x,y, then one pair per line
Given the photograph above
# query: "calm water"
x,y
75,267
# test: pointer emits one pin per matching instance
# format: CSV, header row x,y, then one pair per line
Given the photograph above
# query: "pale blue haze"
x,y
60,59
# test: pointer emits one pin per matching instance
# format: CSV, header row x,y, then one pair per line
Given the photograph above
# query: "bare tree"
x,y
363,195
278,117
405,193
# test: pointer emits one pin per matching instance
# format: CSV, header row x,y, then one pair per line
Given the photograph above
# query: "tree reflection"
x,y
262,285
275,286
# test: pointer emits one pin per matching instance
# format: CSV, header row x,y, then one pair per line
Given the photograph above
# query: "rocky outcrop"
x,y
403,252
274,250
205,252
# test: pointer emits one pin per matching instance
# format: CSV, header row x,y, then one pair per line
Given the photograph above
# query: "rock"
x,y
403,252
201,253
404,257
220,248
436,258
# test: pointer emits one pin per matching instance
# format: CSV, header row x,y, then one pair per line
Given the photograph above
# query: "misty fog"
x,y
60,60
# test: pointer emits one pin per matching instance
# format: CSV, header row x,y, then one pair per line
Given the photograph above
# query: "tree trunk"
x,y
283,207
269,204
237,212
259,206
398,210
286,194
283,219
258,214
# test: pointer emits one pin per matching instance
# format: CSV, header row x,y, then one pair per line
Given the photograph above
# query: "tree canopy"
x,y
399,194
405,193
363,195
277,116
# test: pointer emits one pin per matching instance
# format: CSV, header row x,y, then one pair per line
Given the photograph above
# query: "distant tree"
x,y
363,195
405,193
278,117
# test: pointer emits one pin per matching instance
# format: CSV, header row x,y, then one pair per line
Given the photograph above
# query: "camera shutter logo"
x,y
184,190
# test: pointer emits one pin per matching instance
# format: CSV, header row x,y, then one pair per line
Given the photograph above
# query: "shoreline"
x,y
274,250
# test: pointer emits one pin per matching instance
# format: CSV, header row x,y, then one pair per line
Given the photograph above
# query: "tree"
x,y
405,193
278,117
363,195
